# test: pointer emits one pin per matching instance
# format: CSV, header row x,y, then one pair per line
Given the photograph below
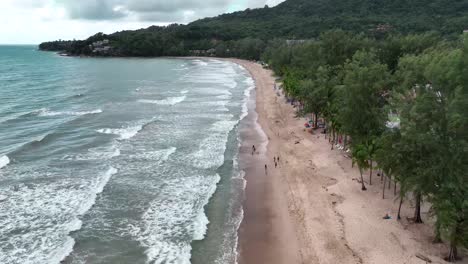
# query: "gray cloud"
x,y
180,11
95,9
176,5
176,10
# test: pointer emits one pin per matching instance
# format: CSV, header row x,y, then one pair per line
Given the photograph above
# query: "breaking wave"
x,y
123,133
4,160
46,113
167,101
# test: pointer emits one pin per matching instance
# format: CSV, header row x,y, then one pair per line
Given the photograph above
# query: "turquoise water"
x,y
119,160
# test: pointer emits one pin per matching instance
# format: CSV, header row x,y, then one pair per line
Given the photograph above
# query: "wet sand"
x,y
266,233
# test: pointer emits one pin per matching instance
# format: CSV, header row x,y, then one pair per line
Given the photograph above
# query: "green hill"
x,y
307,18
227,34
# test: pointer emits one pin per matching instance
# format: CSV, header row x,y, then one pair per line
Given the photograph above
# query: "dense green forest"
x,y
401,105
246,33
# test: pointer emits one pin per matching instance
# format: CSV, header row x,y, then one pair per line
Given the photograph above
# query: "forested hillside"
x,y
246,33
307,18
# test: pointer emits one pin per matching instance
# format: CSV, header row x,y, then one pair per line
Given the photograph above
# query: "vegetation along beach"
x,y
225,132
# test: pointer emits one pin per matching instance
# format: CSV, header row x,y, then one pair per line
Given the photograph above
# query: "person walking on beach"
x,y
276,164
266,169
274,159
253,149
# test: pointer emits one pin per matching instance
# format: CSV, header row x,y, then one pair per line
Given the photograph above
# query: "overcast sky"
x,y
35,21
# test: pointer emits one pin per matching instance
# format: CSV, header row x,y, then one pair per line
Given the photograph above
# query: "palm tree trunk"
x,y
453,253
363,187
394,189
399,207
370,174
316,121
457,231
383,190
417,210
437,238
333,139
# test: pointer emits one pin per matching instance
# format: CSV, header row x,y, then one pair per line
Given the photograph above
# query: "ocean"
x,y
119,160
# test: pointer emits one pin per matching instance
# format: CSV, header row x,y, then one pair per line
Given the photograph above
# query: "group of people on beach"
x,y
276,160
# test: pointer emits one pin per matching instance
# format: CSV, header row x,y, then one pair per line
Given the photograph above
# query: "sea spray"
x,y
4,160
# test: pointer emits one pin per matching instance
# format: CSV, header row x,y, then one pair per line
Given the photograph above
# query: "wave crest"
x,y
167,101
4,160
47,112
124,133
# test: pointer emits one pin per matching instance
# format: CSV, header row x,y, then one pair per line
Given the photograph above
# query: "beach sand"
x,y
311,208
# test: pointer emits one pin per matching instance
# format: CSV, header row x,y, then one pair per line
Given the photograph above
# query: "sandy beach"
x,y
311,209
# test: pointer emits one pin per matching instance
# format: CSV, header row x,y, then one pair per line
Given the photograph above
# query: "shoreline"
x,y
311,209
266,226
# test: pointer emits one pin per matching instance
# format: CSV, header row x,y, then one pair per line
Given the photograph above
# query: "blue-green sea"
x,y
119,160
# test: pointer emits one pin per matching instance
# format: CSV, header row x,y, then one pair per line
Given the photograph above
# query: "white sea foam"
x,y
112,152
231,239
213,91
101,183
4,160
220,106
14,116
218,78
98,153
59,255
184,91
201,222
181,69
224,97
46,112
167,229
200,62
167,101
124,133
250,86
231,84
36,219
159,155
211,150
